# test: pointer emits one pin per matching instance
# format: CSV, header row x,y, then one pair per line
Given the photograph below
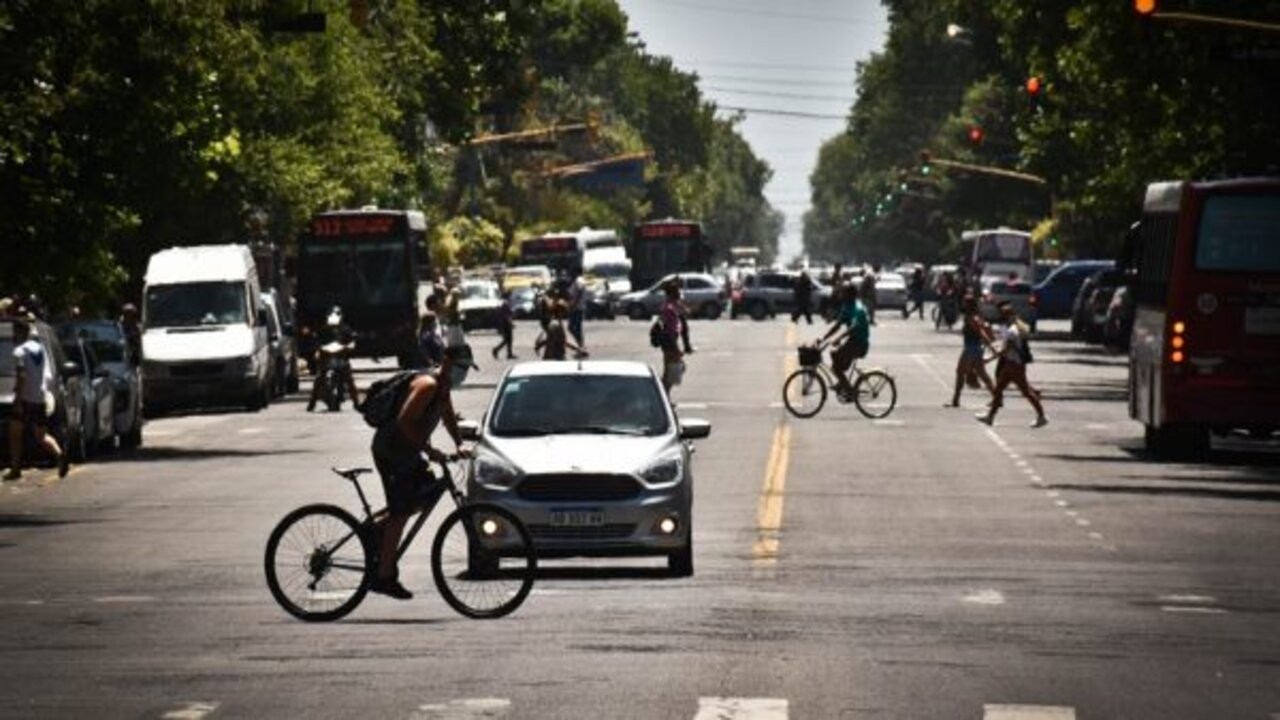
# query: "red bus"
x,y
1205,351
662,247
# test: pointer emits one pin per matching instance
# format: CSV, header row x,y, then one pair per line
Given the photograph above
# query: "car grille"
x,y
195,370
617,531
578,487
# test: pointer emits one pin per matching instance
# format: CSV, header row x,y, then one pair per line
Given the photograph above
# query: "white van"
x,y
205,339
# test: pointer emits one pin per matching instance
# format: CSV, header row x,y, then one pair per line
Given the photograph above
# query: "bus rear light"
x,y
1177,342
1179,327
1177,357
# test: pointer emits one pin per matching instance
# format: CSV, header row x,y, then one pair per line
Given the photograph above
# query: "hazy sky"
x,y
763,55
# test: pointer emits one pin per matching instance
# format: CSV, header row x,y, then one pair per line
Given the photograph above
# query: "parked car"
x,y
59,381
1118,324
891,290
590,456
768,293
524,303
1015,292
1056,294
701,293
284,345
1089,311
107,340
479,304
525,276
91,396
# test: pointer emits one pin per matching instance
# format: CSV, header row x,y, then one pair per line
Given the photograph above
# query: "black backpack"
x,y
656,333
383,400
1024,350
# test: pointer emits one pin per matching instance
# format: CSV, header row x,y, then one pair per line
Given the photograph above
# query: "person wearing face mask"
x,y
398,448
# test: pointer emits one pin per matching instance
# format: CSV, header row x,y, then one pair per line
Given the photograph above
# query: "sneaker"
x,y
984,418
495,353
1040,422
13,474
390,587
64,464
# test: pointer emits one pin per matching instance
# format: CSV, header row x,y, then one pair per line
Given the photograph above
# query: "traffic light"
x,y
1034,86
1145,8
975,135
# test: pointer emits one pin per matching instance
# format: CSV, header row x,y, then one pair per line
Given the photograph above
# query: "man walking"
x,y
868,293
506,326
802,293
34,378
915,289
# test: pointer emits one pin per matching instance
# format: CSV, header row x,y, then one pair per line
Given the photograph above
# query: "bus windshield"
x,y
326,271
1240,233
1002,248
380,272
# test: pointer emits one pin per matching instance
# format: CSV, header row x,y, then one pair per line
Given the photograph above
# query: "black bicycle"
x,y
320,560
805,390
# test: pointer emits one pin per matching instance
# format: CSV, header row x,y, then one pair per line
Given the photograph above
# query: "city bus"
x,y
1205,346
561,252
1000,254
744,256
662,247
367,263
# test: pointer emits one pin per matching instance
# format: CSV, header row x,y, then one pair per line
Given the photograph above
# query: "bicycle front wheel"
x,y
316,563
483,561
875,393
804,393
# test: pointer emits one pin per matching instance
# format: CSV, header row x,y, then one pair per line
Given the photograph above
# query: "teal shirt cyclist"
x,y
856,340
853,315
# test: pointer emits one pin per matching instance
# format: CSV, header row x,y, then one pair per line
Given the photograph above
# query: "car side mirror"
x,y
71,369
262,317
694,429
288,329
469,430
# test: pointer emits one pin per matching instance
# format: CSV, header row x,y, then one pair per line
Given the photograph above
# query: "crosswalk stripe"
x,y
467,709
191,711
728,708
1027,712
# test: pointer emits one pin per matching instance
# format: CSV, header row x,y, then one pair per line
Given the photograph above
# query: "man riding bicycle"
x,y
406,477
854,344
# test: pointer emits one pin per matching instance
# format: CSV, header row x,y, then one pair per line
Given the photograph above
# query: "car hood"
x,y
478,304
636,296
580,453
216,342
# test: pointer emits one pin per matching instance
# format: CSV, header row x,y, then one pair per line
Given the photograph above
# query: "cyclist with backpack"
x,y
406,411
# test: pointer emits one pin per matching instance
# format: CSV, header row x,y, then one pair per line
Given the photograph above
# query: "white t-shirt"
x,y
1010,342
36,369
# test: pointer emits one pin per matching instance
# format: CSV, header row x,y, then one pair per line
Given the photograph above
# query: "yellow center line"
x,y
769,515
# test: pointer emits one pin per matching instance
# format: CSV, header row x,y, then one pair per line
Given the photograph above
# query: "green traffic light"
x,y
925,170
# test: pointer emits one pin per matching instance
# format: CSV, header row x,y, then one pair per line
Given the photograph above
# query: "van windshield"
x,y
193,304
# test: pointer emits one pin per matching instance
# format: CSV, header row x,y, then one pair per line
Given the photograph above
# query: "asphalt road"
x,y
922,566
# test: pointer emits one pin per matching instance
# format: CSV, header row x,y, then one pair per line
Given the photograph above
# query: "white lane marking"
x,y
124,599
1189,599
1095,536
1061,503
1015,456
985,597
1037,479
1020,463
163,433
466,709
1097,426
773,405
191,711
251,430
691,406
1052,493
889,423
725,708
1027,712
928,369
1192,610
1082,522
1072,513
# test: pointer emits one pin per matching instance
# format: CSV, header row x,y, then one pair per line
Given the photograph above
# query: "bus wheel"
x,y
1177,442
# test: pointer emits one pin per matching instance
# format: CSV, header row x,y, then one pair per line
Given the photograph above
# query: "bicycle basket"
x,y
809,356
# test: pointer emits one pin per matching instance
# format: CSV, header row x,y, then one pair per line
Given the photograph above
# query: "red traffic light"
x,y
1033,85
975,135
1145,7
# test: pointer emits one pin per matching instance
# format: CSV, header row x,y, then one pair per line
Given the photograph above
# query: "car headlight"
x,y
666,469
493,471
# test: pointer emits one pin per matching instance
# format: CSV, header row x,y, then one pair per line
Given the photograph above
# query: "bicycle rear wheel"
x,y
875,393
316,562
804,393
483,561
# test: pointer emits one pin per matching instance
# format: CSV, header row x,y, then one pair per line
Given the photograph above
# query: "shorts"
x,y
843,356
672,373
972,352
407,480
33,414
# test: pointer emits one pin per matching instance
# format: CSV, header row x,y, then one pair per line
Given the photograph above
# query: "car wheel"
x,y
757,310
636,312
292,384
76,449
712,310
680,562
132,439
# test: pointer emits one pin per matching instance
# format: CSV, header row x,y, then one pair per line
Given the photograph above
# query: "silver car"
x,y
590,456
701,294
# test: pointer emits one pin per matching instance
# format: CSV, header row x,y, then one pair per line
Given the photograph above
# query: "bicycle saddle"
x,y
352,473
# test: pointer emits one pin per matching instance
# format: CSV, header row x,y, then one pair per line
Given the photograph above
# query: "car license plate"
x,y
1262,321
577,518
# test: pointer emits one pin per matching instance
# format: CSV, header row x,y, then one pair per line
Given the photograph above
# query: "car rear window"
x,y
556,404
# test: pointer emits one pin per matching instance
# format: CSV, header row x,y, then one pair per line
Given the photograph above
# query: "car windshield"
x,y
192,304
106,339
479,291
591,404
610,270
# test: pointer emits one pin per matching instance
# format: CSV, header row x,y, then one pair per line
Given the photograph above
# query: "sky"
x,y
767,56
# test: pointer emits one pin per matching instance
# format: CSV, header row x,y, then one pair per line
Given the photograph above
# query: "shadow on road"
x,y
152,454
603,573
1175,491
26,521
394,621
1093,391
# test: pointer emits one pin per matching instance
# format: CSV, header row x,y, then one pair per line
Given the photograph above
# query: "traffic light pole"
x,y
1216,21
989,170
